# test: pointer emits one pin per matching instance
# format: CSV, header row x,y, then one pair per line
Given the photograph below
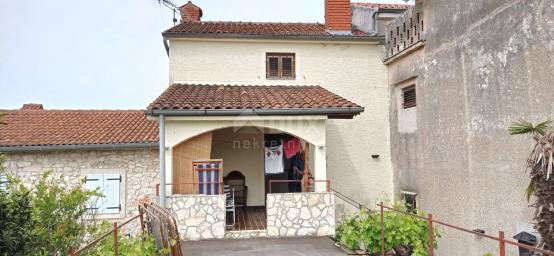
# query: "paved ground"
x,y
303,246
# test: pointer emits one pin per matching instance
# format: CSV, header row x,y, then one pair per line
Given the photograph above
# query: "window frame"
x,y
280,56
406,89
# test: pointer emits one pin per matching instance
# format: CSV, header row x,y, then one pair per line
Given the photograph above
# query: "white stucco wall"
x,y
351,70
308,128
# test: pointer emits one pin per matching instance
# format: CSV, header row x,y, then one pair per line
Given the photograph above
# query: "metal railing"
x,y
306,183
350,201
114,231
191,186
502,241
153,219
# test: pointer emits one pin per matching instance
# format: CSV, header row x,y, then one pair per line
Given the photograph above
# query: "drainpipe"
x,y
374,20
161,120
382,10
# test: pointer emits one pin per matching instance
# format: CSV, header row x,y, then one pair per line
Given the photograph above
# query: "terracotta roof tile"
x,y
253,28
35,127
382,5
200,96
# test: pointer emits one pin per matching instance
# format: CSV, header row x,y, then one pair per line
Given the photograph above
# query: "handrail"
x,y
500,239
74,252
350,200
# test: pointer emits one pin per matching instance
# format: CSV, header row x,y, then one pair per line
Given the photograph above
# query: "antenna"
x,y
170,5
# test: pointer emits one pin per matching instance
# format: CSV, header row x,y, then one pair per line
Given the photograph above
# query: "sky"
x,y
107,54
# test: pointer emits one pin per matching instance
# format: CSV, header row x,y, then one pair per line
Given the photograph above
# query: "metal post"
x,y
382,229
141,218
161,120
115,242
430,230
502,243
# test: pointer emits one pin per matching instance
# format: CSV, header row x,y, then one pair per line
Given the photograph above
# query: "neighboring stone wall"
x,y
140,166
199,217
300,214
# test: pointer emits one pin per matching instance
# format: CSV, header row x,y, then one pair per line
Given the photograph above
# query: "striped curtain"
x,y
209,174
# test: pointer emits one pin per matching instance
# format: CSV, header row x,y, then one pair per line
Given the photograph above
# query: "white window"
x,y
109,184
3,182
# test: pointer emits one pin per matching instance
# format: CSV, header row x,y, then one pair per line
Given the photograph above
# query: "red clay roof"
x,y
200,96
253,28
37,127
382,6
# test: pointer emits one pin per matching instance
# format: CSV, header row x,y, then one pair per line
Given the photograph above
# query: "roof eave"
x,y
344,38
330,112
110,146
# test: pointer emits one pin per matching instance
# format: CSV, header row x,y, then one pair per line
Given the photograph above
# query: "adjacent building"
x,y
460,73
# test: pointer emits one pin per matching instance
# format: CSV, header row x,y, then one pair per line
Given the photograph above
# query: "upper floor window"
x,y
409,97
280,65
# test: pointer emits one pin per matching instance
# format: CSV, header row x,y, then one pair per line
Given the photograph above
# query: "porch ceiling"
x,y
239,100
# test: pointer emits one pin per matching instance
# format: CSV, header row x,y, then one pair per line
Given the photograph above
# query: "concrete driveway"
x,y
301,246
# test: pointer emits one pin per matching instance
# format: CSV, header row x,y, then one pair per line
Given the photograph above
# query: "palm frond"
x,y
526,127
530,190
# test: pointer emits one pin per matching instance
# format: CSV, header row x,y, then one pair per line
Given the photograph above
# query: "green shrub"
x,y
363,232
141,244
15,220
44,220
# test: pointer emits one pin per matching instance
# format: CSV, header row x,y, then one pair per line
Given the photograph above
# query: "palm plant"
x,y
540,164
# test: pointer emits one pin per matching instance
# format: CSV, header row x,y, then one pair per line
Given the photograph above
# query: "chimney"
x,y
32,106
338,17
190,12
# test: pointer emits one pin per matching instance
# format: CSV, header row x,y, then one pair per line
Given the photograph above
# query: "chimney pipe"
x,y
338,17
190,12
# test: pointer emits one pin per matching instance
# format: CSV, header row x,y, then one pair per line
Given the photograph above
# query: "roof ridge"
x,y
250,22
78,110
245,85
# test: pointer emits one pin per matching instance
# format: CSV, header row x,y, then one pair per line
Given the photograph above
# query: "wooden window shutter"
x,y
409,97
93,182
272,67
111,193
280,65
287,66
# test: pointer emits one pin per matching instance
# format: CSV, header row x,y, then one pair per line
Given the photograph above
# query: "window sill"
x,y
277,78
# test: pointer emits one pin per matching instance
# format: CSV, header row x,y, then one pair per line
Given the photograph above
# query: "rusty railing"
x,y
502,241
114,231
153,219
311,182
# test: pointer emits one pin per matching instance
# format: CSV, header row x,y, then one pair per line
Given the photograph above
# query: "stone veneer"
x,y
300,214
140,167
199,217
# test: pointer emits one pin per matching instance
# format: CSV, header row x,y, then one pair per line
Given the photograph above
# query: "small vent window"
x,y
409,97
280,65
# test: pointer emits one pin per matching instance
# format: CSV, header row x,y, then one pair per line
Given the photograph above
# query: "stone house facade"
x,y
316,83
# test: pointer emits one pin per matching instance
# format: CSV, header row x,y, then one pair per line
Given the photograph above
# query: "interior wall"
x,y
242,149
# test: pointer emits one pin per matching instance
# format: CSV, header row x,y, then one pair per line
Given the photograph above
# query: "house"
x,y
239,91
460,74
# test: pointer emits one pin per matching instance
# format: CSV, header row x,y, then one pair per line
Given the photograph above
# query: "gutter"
x,y
256,112
111,146
370,38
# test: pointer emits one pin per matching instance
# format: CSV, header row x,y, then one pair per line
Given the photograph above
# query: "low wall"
x,y
300,214
199,217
